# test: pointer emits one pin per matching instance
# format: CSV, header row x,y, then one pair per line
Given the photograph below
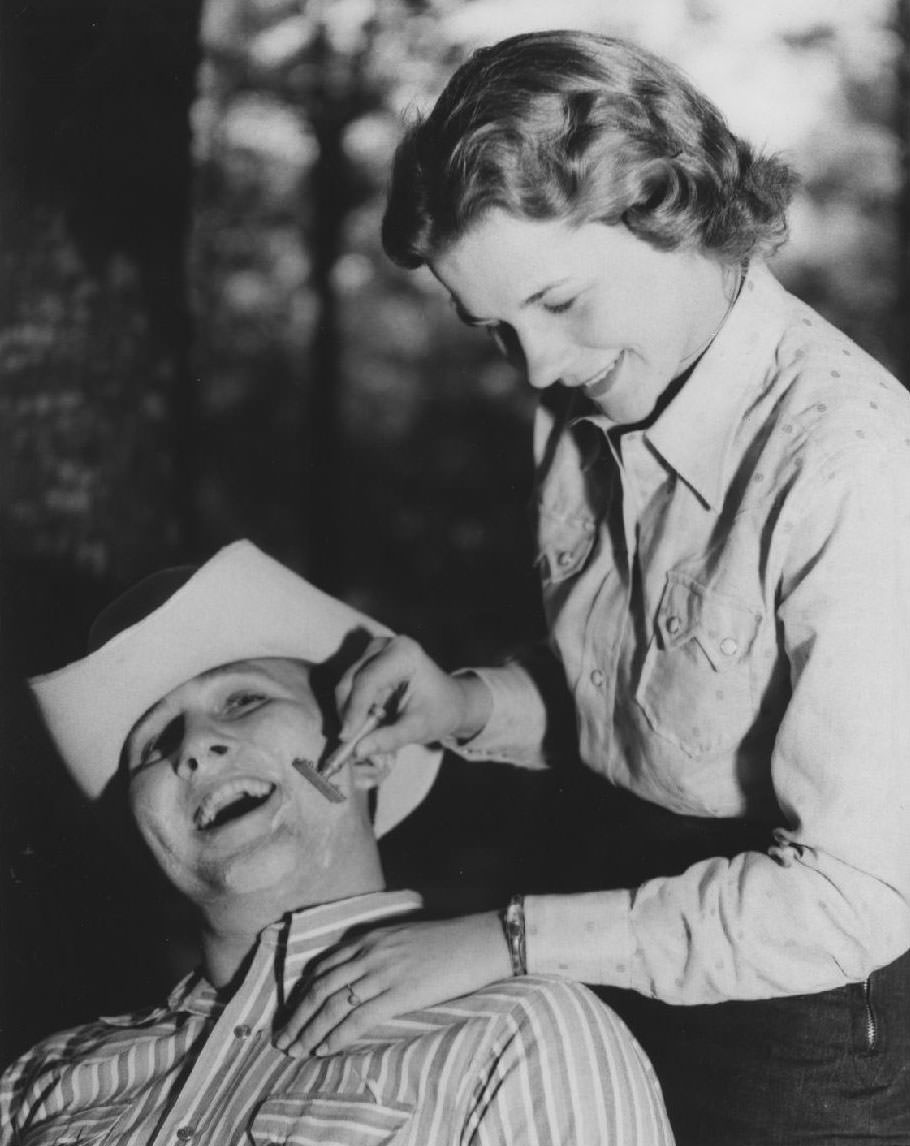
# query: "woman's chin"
x,y
629,394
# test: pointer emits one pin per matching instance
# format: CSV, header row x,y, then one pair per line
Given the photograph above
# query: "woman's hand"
x,y
390,971
429,705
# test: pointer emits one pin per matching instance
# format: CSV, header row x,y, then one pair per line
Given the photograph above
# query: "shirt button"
x,y
673,625
563,558
597,678
728,646
185,1133
242,1031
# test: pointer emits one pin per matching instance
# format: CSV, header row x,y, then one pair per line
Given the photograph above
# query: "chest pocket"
x,y
327,1120
697,681
565,541
83,1127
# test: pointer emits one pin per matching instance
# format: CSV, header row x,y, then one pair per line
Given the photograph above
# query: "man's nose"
x,y
204,746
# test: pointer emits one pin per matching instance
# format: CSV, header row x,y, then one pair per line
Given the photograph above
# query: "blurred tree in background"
x,y
200,339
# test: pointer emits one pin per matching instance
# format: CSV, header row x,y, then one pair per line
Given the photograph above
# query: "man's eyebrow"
x,y
235,668
475,320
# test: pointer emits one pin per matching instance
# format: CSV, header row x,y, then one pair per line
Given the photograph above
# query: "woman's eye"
x,y
559,307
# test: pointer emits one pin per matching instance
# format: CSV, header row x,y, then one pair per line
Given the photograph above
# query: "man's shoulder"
x,y
538,1004
85,1042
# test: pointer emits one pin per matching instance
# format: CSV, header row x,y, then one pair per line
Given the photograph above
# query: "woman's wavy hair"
x,y
582,127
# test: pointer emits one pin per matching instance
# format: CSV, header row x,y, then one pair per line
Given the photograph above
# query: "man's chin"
x,y
261,863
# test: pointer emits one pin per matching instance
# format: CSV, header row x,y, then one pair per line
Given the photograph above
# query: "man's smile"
x,y
231,800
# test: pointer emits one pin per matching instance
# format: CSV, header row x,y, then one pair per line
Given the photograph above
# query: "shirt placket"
x,y
603,632
217,1064
641,478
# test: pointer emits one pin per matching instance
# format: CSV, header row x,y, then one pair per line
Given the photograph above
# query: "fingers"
x,y
386,667
335,1012
425,700
326,1001
407,729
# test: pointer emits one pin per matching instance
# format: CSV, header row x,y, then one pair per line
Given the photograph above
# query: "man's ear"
x,y
367,774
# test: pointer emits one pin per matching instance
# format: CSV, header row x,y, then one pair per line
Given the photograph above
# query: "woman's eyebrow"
x,y
474,320
538,294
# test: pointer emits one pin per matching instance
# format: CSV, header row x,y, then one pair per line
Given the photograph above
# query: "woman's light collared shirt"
x,y
729,593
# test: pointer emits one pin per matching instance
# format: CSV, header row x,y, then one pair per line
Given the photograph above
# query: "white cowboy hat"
x,y
239,605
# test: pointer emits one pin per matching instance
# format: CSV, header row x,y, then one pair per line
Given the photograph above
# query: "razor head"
x,y
326,788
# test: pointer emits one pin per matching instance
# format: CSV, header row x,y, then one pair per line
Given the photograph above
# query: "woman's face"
x,y
589,306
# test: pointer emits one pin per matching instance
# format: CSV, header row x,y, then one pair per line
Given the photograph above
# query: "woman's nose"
x,y
541,357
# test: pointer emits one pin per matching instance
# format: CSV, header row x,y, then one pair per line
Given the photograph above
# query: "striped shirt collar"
x,y
296,939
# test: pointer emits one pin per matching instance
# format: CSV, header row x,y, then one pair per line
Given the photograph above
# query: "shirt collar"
x,y
296,939
696,430
694,433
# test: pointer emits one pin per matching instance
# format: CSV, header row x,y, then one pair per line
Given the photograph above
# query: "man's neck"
x,y
230,928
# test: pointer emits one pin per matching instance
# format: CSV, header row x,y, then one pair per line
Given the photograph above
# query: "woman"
x,y
724,546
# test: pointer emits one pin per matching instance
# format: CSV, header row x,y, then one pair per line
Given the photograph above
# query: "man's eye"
x,y
161,745
150,754
559,307
240,702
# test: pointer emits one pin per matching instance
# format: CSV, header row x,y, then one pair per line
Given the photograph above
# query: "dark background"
x,y
200,340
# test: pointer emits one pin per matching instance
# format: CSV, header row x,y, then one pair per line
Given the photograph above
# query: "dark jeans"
x,y
808,1070
827,1068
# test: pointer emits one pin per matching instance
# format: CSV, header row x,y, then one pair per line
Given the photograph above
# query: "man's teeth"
x,y
234,792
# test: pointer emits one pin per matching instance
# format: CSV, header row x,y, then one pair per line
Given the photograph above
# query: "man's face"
x,y
214,791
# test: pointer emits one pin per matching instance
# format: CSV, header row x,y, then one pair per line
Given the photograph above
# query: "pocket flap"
x,y
328,1120
566,541
77,1126
723,626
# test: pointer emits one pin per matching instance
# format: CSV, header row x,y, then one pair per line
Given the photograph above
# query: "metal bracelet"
x,y
513,925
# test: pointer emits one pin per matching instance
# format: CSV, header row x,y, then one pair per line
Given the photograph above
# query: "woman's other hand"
x,y
429,704
390,971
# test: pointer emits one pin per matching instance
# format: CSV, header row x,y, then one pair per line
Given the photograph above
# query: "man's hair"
x,y
576,126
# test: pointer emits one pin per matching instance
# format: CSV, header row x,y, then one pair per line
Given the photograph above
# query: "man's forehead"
x,y
284,671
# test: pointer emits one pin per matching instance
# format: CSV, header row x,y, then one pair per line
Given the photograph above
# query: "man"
x,y
198,703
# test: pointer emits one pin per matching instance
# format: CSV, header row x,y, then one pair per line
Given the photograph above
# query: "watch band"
x,y
513,925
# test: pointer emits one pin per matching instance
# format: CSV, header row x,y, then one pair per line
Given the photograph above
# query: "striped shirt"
x,y
534,1061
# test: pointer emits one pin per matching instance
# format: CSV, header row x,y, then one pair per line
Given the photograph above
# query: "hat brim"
x,y
239,605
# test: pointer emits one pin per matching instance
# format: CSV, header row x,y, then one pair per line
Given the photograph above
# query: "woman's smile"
x,y
587,305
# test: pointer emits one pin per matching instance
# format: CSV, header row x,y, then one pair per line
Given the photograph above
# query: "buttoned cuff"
x,y
586,937
515,730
